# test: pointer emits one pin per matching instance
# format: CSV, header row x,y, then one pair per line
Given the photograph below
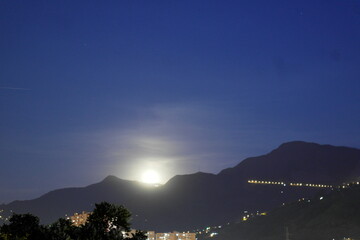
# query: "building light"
x,y
213,234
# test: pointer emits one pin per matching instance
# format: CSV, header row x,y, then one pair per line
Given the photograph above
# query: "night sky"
x,y
93,88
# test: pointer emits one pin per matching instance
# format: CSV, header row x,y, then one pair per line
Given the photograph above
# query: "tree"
x,y
139,235
22,226
108,216
62,229
108,221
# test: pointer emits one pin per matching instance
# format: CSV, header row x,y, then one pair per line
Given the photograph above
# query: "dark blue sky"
x,y
92,88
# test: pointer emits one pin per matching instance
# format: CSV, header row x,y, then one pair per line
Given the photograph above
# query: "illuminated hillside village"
x,y
79,219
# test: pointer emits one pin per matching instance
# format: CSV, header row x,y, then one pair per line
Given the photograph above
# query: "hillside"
x,y
201,199
332,216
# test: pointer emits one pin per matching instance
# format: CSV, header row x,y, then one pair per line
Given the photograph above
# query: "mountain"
x,y
196,200
295,161
332,216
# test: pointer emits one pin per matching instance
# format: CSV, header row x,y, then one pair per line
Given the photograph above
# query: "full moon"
x,y
150,176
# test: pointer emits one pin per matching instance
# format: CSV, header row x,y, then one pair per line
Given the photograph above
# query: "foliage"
x,y
62,229
22,226
108,216
139,235
107,222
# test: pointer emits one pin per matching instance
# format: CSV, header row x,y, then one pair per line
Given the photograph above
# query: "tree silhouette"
x,y
107,222
62,229
22,226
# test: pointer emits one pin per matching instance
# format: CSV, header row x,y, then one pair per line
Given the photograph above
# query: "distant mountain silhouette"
x,y
297,161
196,200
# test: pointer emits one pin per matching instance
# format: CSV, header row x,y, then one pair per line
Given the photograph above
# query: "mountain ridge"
x,y
222,196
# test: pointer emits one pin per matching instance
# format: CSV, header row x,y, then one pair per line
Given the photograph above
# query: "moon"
x,y
150,176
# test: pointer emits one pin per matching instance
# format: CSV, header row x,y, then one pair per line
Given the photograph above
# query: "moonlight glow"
x,y
150,176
